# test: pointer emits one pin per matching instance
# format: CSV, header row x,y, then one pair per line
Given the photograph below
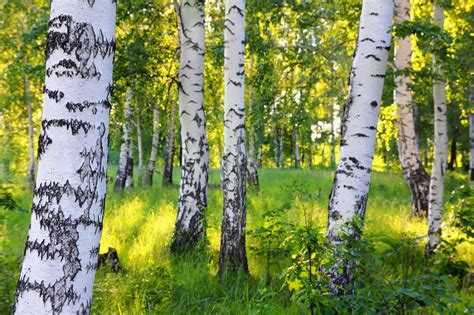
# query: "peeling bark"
x,y
413,171
154,145
62,247
435,209
233,253
349,194
189,228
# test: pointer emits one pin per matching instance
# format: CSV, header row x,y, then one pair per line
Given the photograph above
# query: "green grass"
x,y
139,224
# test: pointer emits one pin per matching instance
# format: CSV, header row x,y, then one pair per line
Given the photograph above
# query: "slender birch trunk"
x,y
281,149
259,155
31,162
454,152
413,171
297,148
435,209
252,164
189,229
154,145
310,155
471,142
333,139
62,247
276,151
170,148
124,158
233,253
129,167
351,183
140,152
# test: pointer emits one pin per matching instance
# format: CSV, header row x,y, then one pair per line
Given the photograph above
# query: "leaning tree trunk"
x,y
189,229
471,143
140,152
154,145
31,162
124,162
349,194
170,148
440,154
233,254
62,247
413,171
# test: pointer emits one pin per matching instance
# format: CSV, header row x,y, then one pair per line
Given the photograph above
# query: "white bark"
x,y
31,162
170,148
251,163
410,159
259,155
351,183
154,145
124,158
195,160
297,148
471,141
62,247
281,149
140,152
435,209
232,252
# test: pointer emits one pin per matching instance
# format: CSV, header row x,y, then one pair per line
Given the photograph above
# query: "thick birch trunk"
x,y
351,183
297,148
413,171
435,209
189,229
140,152
168,169
276,151
62,247
31,162
154,145
124,158
471,141
232,253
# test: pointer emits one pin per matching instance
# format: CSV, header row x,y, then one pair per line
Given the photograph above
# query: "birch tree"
x,y
62,247
349,194
440,155
31,161
170,148
413,171
154,145
189,229
232,253
124,159
251,162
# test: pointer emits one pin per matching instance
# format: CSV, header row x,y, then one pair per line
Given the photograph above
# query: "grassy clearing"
x,y
139,224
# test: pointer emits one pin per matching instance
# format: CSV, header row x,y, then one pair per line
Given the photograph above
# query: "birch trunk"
x,y
297,148
276,151
471,141
154,145
351,183
332,160
168,169
252,164
310,155
413,171
189,229
129,167
281,149
233,253
31,162
435,209
62,247
259,155
140,152
124,162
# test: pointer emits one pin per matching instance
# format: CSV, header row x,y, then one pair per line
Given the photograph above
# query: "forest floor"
x,y
139,224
